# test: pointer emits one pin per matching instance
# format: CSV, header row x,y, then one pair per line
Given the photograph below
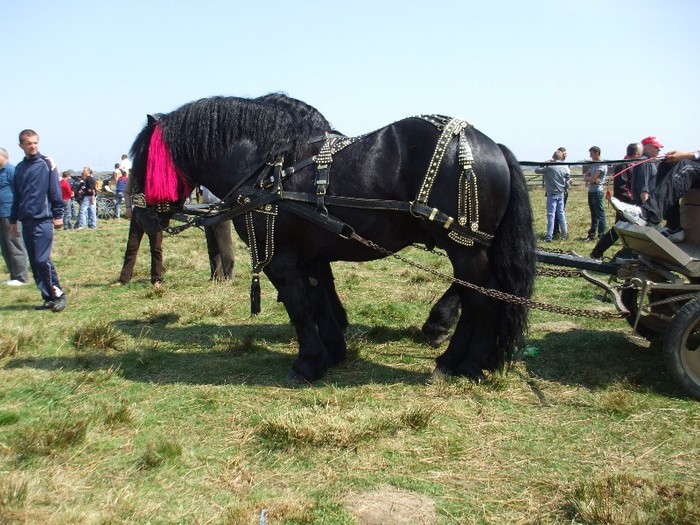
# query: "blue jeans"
x,y
596,203
118,199
88,211
555,208
67,214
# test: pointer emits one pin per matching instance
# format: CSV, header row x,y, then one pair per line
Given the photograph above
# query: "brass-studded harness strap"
x,y
452,128
256,262
332,145
467,193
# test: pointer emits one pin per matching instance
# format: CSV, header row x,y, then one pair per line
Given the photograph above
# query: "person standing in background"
x,y
12,247
39,206
594,177
125,164
557,230
219,243
139,218
87,195
556,181
120,189
67,196
621,191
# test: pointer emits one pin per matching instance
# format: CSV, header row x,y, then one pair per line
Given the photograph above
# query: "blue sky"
x,y
532,75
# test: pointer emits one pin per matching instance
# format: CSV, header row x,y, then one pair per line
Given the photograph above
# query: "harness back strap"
x,y
467,203
332,145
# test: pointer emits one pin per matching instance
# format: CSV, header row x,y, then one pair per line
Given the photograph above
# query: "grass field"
x,y
137,405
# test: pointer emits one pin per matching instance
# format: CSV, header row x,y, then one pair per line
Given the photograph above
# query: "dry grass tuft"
x,y
13,492
159,452
114,416
335,428
13,341
626,499
50,437
619,400
102,336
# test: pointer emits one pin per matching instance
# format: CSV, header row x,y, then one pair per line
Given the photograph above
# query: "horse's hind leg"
x,y
472,349
443,316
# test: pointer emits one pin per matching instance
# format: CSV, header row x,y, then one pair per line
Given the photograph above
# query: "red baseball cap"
x,y
653,141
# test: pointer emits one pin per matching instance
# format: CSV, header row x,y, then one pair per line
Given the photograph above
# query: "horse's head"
x,y
157,185
218,142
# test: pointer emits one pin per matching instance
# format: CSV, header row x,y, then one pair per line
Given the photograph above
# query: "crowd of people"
x,y
641,191
84,191
35,200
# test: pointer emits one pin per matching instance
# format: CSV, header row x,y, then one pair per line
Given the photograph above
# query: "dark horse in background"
x,y
226,144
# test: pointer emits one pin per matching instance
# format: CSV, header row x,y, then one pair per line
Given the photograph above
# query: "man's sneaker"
x,y
46,305
630,212
677,235
15,282
59,303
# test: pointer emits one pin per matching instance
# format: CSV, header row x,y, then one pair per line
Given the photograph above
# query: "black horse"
x,y
429,180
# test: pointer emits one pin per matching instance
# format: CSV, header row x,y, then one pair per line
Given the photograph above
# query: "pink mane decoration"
x,y
163,181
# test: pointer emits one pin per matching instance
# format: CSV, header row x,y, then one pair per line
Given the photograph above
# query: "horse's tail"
x,y
512,256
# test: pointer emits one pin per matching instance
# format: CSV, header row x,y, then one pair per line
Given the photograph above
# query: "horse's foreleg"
x,y
443,316
312,360
329,328
325,277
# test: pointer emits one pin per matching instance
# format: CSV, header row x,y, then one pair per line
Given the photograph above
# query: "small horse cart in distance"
x,y
659,288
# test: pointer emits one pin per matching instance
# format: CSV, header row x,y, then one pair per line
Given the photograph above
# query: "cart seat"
x,y
682,257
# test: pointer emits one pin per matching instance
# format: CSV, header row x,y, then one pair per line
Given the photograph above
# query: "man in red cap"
x,y
643,176
683,173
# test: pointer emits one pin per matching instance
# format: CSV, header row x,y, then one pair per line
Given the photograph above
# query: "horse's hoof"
x,y
434,337
294,378
440,374
436,341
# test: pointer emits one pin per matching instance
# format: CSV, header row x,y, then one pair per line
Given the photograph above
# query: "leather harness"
x,y
267,196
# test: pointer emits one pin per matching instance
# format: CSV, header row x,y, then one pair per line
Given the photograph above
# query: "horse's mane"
x,y
298,109
206,134
201,133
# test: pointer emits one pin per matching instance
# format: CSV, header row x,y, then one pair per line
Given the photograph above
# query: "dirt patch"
x,y
391,506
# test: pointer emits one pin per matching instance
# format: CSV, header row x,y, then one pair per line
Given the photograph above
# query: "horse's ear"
x,y
151,120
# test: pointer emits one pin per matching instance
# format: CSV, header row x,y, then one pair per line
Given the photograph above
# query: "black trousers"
x,y
133,243
220,250
663,202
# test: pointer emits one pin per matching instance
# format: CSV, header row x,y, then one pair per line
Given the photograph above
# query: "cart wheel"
x,y
682,347
106,208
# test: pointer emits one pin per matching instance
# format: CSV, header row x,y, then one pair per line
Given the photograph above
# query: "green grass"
x,y
169,406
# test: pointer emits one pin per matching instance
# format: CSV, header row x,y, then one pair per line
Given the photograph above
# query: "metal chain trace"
x,y
489,292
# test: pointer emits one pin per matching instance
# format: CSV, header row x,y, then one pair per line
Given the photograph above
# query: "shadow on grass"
x,y
213,355
598,359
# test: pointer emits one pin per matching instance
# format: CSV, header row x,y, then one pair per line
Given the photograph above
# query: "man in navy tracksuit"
x,y
39,206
